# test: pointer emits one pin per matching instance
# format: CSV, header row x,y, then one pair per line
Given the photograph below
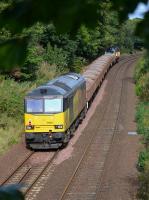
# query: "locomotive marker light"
x,y
59,126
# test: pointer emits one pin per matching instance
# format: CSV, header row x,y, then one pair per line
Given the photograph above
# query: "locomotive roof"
x,y
62,86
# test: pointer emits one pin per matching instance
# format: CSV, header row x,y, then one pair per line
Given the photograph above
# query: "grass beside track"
x,y
10,135
11,112
12,107
142,118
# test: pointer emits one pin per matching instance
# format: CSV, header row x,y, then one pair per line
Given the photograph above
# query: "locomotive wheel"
x,y
28,146
72,130
66,139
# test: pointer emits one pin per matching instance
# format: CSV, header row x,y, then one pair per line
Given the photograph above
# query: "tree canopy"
x,y
67,16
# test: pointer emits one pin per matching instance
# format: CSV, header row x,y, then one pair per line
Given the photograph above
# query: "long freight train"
x,y
53,111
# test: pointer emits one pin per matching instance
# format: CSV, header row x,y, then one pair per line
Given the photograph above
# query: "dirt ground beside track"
x,y
118,178
119,182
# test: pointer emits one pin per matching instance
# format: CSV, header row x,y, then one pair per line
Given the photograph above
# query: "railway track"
x,y
83,173
27,175
70,191
101,187
89,152
34,178
18,173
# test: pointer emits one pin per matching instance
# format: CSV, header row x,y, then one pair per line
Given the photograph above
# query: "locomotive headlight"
x,y
30,127
59,126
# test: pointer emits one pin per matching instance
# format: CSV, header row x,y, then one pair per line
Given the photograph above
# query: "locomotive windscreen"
x,y
53,105
44,105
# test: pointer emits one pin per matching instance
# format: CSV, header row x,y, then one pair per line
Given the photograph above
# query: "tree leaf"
x,y
66,15
13,53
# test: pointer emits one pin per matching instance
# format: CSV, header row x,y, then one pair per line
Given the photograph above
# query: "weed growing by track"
x,y
12,107
142,118
11,112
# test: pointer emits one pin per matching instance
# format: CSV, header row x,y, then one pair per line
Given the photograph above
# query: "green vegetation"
x,y
127,37
42,39
143,193
142,161
49,54
11,112
95,19
142,117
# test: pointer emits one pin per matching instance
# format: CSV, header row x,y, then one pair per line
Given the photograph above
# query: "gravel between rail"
x,y
93,168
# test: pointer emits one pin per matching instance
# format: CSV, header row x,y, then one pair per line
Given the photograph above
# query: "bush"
x,y
11,111
57,57
10,131
45,73
88,43
11,98
143,192
78,64
141,68
142,117
142,87
143,158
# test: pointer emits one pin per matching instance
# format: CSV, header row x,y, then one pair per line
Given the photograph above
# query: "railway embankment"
x,y
142,118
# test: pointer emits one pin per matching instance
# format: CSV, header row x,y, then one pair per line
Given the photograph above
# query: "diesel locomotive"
x,y
54,110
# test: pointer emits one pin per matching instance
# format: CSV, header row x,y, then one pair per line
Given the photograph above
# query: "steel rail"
x,y
93,136
14,178
29,191
29,188
98,191
17,169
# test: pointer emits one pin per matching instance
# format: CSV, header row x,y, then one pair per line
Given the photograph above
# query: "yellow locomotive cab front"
x,y
45,122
